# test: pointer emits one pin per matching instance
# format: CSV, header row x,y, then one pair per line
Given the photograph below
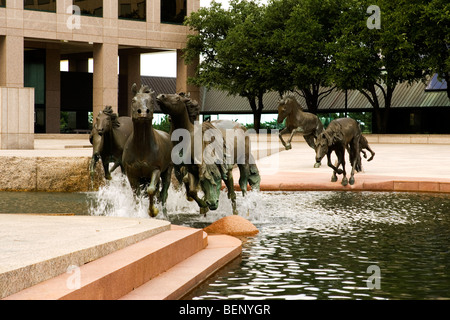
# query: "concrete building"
x,y
35,35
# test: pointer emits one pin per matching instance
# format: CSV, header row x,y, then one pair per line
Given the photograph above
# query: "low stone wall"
x,y
50,174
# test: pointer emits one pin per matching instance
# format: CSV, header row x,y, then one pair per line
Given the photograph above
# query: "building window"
x,y
132,9
40,5
173,11
90,7
2,3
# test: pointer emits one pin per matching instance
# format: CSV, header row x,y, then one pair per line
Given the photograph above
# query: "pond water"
x,y
311,245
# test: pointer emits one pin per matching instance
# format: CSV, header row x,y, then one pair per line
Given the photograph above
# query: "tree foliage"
x,y
434,33
315,46
231,44
375,61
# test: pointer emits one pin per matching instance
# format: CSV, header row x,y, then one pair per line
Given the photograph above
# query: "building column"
x,y
129,73
16,102
53,91
105,91
183,73
11,61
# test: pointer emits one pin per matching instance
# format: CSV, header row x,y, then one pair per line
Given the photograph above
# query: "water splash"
x,y
116,199
302,210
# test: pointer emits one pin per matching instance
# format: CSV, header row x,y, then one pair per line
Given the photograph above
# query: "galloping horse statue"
x,y
108,138
340,134
298,121
182,110
196,173
147,153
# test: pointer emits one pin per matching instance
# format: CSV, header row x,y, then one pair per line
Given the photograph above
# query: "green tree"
x,y
377,60
433,22
232,47
308,31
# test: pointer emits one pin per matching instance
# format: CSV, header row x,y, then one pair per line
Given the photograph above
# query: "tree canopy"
x,y
315,46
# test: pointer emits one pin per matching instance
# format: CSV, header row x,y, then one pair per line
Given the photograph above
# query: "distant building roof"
x,y
214,101
405,95
160,85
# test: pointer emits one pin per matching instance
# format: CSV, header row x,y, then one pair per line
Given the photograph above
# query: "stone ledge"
x,y
36,248
51,174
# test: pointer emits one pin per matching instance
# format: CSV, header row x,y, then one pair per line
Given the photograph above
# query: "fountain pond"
x,y
311,245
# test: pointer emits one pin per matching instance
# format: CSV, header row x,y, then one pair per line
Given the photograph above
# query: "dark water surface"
x,y
311,245
339,245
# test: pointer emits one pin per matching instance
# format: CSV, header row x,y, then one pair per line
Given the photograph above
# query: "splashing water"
x,y
116,199
316,210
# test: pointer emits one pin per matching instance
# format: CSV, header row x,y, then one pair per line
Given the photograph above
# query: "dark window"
x,y
41,5
173,11
132,9
90,7
2,3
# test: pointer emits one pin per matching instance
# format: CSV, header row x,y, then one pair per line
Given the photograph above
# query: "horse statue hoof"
x,y
203,211
344,182
352,181
288,146
317,165
153,212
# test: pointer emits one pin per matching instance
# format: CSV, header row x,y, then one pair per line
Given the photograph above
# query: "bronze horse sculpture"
x,y
339,134
147,152
182,111
108,138
364,144
249,173
298,121
195,173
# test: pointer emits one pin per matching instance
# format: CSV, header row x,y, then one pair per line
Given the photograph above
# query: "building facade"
x,y
35,35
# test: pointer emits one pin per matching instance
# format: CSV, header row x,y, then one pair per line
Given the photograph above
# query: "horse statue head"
x,y
143,103
106,120
178,104
286,106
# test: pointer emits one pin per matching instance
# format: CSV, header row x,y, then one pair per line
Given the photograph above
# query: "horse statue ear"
x,y
134,89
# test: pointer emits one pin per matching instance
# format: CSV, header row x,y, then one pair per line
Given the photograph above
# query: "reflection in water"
x,y
321,244
43,203
311,245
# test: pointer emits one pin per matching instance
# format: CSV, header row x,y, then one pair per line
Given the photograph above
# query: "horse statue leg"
x,y
336,170
280,135
355,158
340,152
288,145
151,191
105,163
243,177
191,192
166,179
254,179
310,140
92,164
230,187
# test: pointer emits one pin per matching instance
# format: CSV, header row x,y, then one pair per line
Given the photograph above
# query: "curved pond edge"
x,y
291,181
71,174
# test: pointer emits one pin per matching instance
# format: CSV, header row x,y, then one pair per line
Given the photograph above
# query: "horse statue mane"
x,y
290,96
143,89
108,110
192,107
